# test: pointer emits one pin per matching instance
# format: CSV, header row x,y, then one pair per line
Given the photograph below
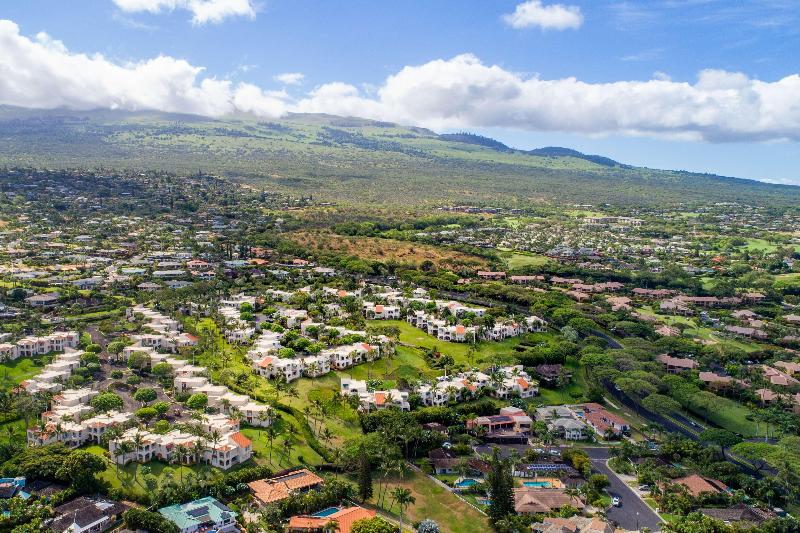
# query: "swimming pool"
x,y
539,484
485,502
326,512
466,483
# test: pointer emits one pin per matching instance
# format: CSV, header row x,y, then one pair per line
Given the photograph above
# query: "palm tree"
x,y
137,444
573,493
122,449
403,498
272,432
327,436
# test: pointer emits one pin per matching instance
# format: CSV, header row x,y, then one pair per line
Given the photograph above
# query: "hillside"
x,y
353,160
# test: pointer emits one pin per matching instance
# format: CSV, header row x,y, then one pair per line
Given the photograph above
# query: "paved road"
x,y
633,514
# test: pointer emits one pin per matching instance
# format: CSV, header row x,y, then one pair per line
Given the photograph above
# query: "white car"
x,y
615,501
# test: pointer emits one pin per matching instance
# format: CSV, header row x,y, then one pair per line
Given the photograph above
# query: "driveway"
x,y
634,513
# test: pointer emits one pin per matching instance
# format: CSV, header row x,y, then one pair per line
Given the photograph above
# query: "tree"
x,y
138,361
106,401
197,401
660,404
161,408
428,526
696,523
145,395
501,487
364,476
373,525
146,414
403,498
721,437
139,519
80,469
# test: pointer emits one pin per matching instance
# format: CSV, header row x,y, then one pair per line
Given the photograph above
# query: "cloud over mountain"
x,y
461,92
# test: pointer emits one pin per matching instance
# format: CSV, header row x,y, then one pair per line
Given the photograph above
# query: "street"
x,y
633,513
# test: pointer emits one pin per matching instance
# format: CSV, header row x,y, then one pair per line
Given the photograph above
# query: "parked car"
x,y
615,501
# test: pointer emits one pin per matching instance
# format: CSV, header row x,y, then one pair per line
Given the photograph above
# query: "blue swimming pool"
x,y
538,484
485,502
326,512
465,483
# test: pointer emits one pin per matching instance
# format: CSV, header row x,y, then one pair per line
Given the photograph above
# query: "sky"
x,y
701,85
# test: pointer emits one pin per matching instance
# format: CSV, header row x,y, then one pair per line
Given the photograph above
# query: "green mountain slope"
x,y
353,160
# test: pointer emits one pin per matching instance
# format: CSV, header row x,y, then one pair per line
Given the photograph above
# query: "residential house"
x,y
203,515
275,489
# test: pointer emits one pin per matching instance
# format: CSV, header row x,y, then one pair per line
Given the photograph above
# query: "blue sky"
x,y
744,124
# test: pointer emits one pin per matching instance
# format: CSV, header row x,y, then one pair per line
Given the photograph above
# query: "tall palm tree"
x,y
272,432
403,498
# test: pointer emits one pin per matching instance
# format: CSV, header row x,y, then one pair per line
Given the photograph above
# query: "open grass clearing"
x,y
485,352
516,260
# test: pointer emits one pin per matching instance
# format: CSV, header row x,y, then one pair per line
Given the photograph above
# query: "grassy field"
x,y
519,260
485,352
13,373
376,249
299,453
574,392
133,475
435,502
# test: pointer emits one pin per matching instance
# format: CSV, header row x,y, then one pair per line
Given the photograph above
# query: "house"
x,y
603,422
43,300
270,367
343,519
279,488
550,375
675,365
741,514
533,500
574,524
205,514
697,485
485,274
512,422
381,312
569,428
752,333
86,514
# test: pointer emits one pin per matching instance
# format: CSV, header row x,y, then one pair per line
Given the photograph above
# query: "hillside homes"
x,y
33,346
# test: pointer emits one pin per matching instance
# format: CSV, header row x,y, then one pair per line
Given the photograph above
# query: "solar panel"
x,y
199,511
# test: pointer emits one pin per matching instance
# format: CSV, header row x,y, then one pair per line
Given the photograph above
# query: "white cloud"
x,y
203,11
461,92
290,78
546,17
41,72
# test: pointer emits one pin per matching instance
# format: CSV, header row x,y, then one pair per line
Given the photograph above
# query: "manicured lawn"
x,y
485,352
434,502
300,452
733,417
571,393
124,477
516,260
14,372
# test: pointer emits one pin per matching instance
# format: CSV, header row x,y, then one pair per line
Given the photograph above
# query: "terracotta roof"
x,y
279,488
380,398
241,440
264,363
697,485
346,517
307,522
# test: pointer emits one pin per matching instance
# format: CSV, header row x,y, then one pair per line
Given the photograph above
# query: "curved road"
x,y
633,514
